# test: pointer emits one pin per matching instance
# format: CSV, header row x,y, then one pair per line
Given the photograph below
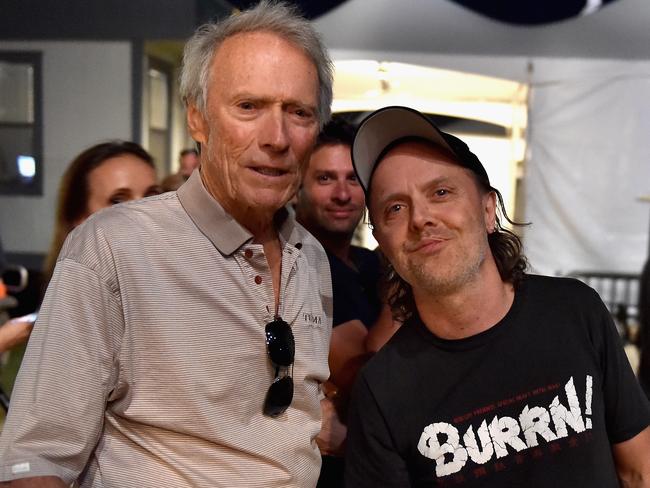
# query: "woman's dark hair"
x,y
72,199
506,248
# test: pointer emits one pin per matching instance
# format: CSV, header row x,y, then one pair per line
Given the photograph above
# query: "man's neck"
x,y
258,221
475,308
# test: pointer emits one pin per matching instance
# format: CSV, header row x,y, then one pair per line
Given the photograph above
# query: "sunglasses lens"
x,y
280,342
279,396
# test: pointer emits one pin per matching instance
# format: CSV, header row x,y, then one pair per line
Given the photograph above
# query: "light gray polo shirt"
x,y
147,366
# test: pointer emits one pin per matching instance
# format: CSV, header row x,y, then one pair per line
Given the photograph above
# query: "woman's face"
x,y
119,179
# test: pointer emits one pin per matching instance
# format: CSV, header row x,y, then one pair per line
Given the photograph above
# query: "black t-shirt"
x,y
535,401
355,291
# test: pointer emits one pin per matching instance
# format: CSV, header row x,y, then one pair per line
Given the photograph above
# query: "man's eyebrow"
x,y
245,95
398,195
392,196
298,103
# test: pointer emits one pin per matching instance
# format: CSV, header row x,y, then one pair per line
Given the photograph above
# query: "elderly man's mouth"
x,y
266,171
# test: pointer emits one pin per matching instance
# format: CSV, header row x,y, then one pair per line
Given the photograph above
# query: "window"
x,y
159,76
21,169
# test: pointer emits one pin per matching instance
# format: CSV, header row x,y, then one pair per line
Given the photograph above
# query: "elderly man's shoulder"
x,y
127,224
127,217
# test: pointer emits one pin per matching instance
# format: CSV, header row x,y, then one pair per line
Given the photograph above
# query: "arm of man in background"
x,y
382,331
347,355
632,459
352,345
14,332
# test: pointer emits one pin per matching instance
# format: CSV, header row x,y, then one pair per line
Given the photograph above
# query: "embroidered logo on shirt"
x,y
312,319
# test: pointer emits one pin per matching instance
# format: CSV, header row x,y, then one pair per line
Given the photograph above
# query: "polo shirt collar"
x,y
221,228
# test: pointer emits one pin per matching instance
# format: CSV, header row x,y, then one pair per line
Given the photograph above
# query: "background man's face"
x,y
430,218
261,121
330,198
188,163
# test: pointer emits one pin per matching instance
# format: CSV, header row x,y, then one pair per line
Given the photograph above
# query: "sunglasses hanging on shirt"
x,y
281,347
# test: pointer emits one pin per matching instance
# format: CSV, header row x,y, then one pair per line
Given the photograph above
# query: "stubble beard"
x,y
454,277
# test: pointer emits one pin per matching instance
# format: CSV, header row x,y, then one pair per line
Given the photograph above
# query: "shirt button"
x,y
258,279
298,245
248,254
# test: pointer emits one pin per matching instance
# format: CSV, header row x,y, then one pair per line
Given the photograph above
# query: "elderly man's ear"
x,y
197,124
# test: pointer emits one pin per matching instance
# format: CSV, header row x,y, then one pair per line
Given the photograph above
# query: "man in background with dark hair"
x,y
330,205
498,378
188,161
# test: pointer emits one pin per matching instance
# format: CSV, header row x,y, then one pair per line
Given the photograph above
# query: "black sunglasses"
x,y
281,348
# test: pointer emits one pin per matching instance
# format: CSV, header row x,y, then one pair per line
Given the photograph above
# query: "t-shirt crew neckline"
x,y
480,339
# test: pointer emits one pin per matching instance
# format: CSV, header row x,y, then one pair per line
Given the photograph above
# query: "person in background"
x,y
497,377
644,327
330,204
183,338
188,161
100,176
10,334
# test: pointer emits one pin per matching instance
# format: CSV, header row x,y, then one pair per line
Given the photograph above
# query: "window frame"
x,y
35,187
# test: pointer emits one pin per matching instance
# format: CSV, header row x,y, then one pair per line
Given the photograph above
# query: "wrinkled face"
x,y
260,123
430,218
330,199
119,179
188,163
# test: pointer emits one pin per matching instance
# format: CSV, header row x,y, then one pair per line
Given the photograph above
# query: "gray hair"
x,y
275,17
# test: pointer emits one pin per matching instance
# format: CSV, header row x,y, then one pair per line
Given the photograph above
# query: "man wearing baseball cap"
x,y
497,378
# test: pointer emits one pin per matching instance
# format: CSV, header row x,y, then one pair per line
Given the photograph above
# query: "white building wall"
x,y
86,99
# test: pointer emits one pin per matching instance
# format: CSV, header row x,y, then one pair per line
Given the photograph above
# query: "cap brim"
x,y
383,127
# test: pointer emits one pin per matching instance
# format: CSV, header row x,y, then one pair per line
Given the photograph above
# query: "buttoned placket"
x,y
258,274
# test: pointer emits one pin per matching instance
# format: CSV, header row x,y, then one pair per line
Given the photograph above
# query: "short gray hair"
x,y
274,17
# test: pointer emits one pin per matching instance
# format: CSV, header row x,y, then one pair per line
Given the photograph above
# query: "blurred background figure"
x,y
330,204
188,161
101,176
9,335
644,328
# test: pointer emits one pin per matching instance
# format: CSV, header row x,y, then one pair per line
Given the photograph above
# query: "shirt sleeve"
x,y
627,411
371,458
69,369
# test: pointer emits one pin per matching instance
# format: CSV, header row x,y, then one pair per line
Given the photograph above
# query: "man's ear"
x,y
490,208
197,124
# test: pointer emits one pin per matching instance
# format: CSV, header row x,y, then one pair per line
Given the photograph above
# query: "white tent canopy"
x,y
588,119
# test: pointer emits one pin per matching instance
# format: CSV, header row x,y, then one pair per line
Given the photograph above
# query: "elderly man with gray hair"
x,y
184,337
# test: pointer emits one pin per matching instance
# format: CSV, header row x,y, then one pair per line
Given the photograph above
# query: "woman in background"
x,y
101,176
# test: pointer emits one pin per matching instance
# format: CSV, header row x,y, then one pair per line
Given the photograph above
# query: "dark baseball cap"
x,y
389,125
